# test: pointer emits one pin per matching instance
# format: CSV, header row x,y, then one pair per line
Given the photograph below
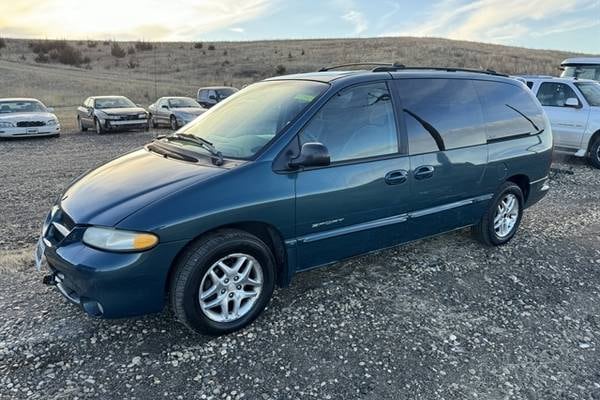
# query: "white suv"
x,y
573,107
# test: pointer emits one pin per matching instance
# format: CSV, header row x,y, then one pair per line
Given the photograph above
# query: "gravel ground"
x,y
442,318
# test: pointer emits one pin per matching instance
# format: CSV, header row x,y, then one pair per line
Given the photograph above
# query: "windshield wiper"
x,y
169,153
217,157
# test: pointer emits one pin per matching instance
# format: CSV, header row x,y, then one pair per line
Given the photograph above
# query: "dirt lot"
x,y
443,318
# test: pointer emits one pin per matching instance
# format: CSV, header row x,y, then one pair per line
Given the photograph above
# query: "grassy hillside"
x,y
150,70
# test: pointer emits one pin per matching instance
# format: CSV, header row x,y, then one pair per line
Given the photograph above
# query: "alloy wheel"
x,y
231,287
506,216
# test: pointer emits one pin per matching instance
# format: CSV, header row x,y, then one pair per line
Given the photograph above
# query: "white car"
x,y
573,107
27,117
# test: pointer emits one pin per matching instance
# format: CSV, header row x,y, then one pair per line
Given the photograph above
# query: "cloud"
x,y
132,19
357,19
499,21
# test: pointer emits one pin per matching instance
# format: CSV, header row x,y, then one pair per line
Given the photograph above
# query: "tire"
x,y
173,123
99,128
152,121
486,232
192,279
594,156
80,125
55,136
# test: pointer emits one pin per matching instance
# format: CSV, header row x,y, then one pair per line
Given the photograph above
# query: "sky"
x,y
571,25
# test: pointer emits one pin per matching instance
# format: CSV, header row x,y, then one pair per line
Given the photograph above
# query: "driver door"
x,y
358,202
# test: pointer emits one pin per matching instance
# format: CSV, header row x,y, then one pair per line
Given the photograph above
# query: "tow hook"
x,y
49,280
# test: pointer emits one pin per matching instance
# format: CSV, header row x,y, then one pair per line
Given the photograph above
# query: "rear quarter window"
x,y
509,110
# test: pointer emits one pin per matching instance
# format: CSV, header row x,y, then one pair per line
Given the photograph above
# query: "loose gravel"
x,y
443,318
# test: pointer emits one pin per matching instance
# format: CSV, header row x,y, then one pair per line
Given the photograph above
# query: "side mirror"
x,y
166,107
50,109
572,102
311,155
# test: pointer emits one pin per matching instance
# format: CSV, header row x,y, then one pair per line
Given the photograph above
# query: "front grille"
x,y
129,117
29,124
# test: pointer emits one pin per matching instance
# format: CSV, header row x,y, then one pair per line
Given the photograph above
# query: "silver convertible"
x,y
27,117
174,111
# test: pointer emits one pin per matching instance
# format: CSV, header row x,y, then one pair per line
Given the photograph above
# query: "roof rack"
x,y
379,64
400,67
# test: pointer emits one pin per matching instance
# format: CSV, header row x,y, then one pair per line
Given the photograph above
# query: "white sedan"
x,y
27,117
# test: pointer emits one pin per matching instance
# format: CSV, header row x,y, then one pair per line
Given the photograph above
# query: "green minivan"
x,y
292,173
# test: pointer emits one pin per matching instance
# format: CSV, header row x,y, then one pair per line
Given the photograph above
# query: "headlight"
x,y
52,122
142,116
118,240
6,125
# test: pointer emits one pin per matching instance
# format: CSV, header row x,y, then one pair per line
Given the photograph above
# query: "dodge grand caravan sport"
x,y
289,174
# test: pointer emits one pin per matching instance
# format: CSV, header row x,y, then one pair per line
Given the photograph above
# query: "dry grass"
x,y
12,261
148,72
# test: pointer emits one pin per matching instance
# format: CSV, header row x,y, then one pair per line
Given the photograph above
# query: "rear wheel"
x,y
222,282
594,156
99,127
173,123
501,221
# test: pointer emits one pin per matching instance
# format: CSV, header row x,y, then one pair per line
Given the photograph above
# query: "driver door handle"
x,y
424,172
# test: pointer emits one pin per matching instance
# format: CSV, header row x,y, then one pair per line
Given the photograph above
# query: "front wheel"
x,y
99,128
173,123
152,121
500,222
222,282
80,125
594,156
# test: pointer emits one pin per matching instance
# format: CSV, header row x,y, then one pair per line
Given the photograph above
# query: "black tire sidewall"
x,y
193,313
494,238
173,123
594,156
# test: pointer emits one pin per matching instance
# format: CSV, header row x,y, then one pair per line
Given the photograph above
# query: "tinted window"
x,y
509,110
555,94
357,122
441,114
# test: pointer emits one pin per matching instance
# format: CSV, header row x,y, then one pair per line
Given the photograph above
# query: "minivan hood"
x,y
110,193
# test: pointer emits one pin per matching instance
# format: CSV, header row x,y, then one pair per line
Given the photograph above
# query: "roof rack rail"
x,y
379,64
448,69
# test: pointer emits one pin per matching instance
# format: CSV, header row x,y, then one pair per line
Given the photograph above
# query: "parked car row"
x,y
26,117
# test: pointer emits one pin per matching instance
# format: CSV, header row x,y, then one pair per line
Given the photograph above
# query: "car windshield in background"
x,y
245,123
113,102
224,93
582,72
8,107
183,102
591,92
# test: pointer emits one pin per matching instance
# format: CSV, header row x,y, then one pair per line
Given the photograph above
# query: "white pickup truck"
x,y
581,67
573,107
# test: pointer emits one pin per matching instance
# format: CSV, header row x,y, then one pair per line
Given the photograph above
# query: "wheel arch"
x,y
592,140
523,182
267,233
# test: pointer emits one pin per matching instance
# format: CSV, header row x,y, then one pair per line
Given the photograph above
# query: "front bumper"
x,y
103,283
125,124
30,132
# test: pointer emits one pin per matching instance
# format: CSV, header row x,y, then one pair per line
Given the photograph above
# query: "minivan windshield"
x,y
591,92
243,124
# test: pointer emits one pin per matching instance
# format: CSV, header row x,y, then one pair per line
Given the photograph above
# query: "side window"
x,y
441,114
509,110
357,122
213,94
555,94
